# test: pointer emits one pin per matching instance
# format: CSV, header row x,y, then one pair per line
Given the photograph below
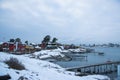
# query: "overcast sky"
x,y
71,21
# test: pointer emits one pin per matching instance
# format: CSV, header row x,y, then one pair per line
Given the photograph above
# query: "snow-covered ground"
x,y
40,70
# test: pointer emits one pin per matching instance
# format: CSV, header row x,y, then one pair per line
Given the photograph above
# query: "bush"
x,y
14,64
5,77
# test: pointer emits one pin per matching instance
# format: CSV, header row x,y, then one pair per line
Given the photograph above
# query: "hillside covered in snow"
x,y
36,69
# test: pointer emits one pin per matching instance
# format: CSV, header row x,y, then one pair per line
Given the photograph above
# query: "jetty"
x,y
101,68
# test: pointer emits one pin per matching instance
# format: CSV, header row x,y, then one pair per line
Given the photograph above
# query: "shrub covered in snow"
x,y
14,64
5,77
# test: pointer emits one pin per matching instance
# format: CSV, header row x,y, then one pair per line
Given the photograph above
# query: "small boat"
x,y
100,53
108,61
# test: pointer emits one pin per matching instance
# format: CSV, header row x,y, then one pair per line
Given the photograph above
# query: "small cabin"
x,y
11,47
21,47
5,46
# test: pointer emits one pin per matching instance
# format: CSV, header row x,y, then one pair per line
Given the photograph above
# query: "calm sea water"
x,y
110,54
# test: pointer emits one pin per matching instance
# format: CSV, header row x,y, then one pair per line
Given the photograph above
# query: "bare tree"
x,y
54,40
26,42
12,40
46,39
18,40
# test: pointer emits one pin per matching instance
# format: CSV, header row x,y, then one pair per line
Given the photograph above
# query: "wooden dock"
x,y
102,68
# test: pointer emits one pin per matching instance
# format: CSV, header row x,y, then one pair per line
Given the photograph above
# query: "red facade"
x,y
43,45
11,47
21,47
5,45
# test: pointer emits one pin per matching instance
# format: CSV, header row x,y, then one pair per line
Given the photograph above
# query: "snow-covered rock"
x,y
39,70
45,54
77,50
51,55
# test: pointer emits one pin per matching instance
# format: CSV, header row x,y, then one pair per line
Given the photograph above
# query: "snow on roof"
x,y
37,47
33,43
40,70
